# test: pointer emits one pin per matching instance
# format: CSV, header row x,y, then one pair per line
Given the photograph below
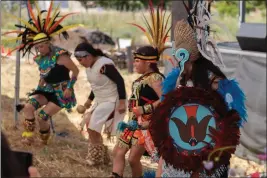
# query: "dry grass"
x,y
64,157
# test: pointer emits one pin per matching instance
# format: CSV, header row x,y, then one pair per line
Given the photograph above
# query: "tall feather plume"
x,y
58,22
52,19
157,29
25,23
32,15
14,31
16,48
147,25
64,29
39,16
38,24
152,15
48,15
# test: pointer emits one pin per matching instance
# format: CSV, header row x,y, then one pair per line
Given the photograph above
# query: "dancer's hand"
x,y
67,93
33,172
41,82
215,84
138,111
121,108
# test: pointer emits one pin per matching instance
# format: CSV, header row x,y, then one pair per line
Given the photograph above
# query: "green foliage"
x,y
231,8
122,5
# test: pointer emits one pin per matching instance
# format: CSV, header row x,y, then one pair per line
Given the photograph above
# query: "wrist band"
x,y
148,108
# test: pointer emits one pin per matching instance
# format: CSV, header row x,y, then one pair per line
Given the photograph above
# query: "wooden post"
x,y
129,59
178,13
118,43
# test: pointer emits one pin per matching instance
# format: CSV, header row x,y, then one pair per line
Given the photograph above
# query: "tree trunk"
x,y
178,13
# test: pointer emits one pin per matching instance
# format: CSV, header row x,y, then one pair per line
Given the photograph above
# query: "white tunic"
x,y
106,100
103,88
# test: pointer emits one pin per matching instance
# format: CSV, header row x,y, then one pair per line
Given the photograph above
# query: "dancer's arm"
x,y
68,63
112,73
41,84
155,84
90,99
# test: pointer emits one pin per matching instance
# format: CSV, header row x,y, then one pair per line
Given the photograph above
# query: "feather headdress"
x,y
156,27
39,28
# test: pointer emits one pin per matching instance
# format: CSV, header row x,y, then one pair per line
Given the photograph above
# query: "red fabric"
x,y
255,175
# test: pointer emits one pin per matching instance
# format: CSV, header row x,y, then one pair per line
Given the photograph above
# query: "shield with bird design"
x,y
193,125
189,127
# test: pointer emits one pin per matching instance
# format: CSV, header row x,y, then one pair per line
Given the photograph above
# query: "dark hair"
x,y
200,73
148,51
154,67
84,46
10,167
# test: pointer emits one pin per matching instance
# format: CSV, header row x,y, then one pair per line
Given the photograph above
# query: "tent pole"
x,y
17,76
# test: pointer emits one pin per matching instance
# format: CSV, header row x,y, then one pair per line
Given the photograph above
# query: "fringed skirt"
x,y
55,93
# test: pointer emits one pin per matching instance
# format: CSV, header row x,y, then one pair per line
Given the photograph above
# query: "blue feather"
x,y
149,174
234,97
132,125
169,83
121,126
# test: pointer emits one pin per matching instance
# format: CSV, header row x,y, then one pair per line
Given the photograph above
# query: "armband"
x,y
148,108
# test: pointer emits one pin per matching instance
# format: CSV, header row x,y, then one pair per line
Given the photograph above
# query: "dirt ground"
x,y
64,156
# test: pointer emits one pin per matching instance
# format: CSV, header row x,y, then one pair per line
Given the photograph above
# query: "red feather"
x,y
17,48
161,5
138,26
14,31
151,6
48,15
32,15
59,21
165,38
170,59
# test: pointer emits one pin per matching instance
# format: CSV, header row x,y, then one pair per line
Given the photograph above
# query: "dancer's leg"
x,y
159,169
97,151
43,117
32,105
119,160
136,153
